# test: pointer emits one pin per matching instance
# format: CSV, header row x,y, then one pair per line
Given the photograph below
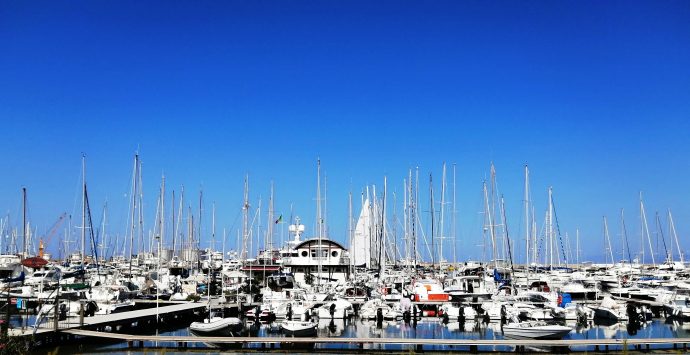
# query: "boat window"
x,y
334,253
304,253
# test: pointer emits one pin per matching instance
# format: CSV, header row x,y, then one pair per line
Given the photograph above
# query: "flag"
x,y
280,219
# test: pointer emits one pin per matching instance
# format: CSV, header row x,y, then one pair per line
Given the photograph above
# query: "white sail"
x,y
361,243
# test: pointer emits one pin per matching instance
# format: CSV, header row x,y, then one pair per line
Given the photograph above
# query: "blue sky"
x,y
594,96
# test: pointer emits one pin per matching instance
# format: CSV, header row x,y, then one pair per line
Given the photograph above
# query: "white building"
x,y
315,261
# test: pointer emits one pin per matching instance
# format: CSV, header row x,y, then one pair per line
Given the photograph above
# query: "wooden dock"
x,y
114,319
414,344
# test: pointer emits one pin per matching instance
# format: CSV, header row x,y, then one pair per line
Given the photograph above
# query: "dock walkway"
x,y
471,344
110,319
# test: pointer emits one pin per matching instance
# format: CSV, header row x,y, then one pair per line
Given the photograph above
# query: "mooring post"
x,y
57,315
81,314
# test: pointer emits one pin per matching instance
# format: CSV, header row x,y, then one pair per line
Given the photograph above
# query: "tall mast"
x,y
245,219
507,236
406,221
414,217
201,209
667,256
577,245
213,228
105,216
608,240
550,229
141,210
134,206
645,227
442,237
24,231
162,220
174,227
349,230
382,242
527,221
83,210
319,219
672,227
431,205
488,222
454,226
492,204
271,222
625,237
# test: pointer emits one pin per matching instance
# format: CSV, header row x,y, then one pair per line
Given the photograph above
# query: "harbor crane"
x,y
51,233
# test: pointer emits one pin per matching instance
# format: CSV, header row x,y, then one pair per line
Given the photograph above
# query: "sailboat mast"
x,y
319,218
349,230
550,229
24,231
134,206
625,237
382,239
245,219
213,227
454,218
442,237
174,227
414,217
577,245
527,222
672,227
668,256
487,221
608,240
271,222
162,220
83,210
431,206
645,227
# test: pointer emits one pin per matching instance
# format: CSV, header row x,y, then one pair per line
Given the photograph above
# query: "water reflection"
x,y
433,328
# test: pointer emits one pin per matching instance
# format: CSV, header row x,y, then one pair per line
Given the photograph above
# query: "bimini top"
x,y
310,243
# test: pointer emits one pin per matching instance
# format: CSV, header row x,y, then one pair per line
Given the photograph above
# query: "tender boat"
x,y
535,330
216,326
297,328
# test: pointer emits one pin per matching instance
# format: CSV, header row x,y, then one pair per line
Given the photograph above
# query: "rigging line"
x,y
558,229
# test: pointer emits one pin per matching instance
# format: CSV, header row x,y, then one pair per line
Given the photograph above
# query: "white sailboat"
x,y
361,243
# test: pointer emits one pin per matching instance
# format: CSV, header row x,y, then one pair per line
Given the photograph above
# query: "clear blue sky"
x,y
594,95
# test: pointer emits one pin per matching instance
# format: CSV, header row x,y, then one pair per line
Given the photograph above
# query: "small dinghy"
x,y
535,330
216,326
297,328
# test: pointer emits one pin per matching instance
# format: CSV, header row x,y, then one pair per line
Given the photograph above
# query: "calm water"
x,y
428,328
